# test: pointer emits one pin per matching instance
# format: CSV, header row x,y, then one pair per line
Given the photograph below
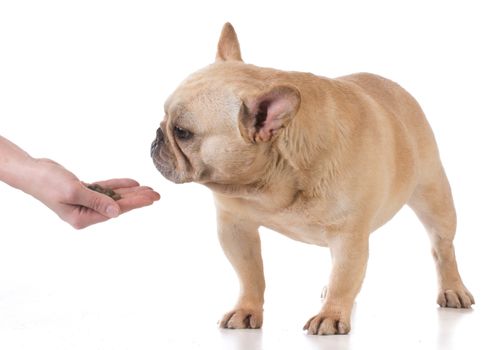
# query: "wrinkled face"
x,y
199,139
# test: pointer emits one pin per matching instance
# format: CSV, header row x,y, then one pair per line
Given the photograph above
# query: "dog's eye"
x,y
182,134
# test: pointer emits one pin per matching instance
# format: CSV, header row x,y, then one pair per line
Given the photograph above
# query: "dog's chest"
x,y
308,221
297,225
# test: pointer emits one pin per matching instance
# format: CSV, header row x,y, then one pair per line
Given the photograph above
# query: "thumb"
x,y
99,202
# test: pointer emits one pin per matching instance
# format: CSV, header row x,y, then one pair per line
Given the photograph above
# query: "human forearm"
x,y
17,167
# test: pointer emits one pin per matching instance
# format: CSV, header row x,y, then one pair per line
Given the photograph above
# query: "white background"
x,y
84,83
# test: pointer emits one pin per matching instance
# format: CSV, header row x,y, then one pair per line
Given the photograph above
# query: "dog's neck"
x,y
306,154
314,141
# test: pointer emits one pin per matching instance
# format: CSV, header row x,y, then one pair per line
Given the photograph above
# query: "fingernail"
x,y
112,211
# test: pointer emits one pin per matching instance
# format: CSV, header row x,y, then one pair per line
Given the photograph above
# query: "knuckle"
x,y
96,203
71,194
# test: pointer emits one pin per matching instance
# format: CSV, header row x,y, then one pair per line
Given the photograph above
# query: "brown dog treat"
x,y
106,191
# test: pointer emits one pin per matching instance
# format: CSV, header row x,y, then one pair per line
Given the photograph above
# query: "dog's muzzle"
x,y
159,138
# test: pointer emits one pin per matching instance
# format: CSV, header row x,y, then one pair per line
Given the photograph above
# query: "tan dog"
x,y
323,161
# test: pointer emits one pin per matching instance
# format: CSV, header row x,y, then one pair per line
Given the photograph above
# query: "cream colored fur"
x,y
322,161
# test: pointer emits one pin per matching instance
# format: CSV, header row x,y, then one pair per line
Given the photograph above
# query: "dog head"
x,y
221,123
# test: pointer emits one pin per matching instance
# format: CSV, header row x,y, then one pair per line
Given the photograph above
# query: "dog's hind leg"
x,y
432,202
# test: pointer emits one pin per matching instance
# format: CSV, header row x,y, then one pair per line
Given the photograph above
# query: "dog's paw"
x,y
242,318
324,325
459,298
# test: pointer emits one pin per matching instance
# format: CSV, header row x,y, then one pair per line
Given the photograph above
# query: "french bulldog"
x,y
322,161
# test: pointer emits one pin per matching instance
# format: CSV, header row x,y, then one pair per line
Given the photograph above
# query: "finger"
x,y
134,202
151,194
98,202
154,196
135,191
117,183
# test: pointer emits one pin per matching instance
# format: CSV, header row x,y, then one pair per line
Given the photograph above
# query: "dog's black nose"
x,y
160,134
158,139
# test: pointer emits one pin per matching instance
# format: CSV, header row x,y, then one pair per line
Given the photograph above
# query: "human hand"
x,y
66,195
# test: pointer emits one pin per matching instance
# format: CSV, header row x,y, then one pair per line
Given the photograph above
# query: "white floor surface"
x,y
129,284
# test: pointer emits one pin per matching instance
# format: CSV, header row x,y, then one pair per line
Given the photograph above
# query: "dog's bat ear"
x,y
228,45
262,117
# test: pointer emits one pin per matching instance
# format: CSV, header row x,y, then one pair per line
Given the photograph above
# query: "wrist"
x,y
15,164
21,173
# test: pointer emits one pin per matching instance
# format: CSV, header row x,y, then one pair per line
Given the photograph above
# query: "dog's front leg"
x,y
241,244
349,256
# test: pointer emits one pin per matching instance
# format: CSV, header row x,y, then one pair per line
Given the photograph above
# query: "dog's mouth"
x,y
168,170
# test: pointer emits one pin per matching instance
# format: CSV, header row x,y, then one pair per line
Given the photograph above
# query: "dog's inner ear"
x,y
228,46
263,116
